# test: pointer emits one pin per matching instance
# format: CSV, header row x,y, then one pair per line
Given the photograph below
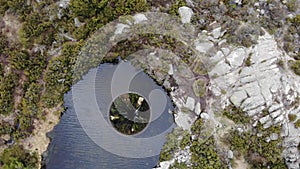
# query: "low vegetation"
x,y
252,144
178,165
205,155
171,146
236,114
292,117
7,86
295,66
297,123
18,158
248,61
204,152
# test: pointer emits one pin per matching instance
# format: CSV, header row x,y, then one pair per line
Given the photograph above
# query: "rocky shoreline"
x,y
39,141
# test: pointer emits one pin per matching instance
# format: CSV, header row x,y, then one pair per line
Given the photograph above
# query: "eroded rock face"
x,y
260,85
252,79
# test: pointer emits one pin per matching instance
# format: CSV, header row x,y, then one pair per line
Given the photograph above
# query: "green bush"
x,y
19,7
3,43
17,156
239,141
205,156
3,7
256,150
98,13
1,69
248,61
36,66
297,123
197,127
292,117
37,29
29,110
5,128
171,145
178,165
58,77
295,66
7,85
175,6
19,59
292,5
186,139
236,114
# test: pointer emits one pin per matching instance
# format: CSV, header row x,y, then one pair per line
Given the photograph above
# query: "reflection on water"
x,y
71,148
129,113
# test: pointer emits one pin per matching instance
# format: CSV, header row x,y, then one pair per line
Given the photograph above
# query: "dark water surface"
x,y
72,148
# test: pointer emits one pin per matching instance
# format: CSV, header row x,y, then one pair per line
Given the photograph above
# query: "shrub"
x,y
236,114
297,123
19,59
295,66
171,146
255,149
292,117
17,156
186,140
205,156
197,127
175,6
3,43
248,61
178,165
292,5
7,85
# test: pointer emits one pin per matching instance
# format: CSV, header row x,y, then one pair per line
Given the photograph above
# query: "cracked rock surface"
x,y
260,85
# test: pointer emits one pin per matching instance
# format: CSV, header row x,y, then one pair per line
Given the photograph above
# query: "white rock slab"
x,y
183,120
139,18
203,46
238,97
120,27
265,119
190,103
216,32
186,14
237,57
171,70
198,108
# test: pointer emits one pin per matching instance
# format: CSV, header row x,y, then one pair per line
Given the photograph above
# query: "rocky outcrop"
x,y
185,14
253,79
261,84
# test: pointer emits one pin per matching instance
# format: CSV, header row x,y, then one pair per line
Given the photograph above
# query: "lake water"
x,y
72,148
